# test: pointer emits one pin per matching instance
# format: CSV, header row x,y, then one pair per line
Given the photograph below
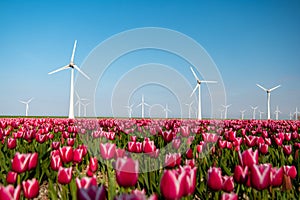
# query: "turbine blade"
x,y
209,82
30,100
22,102
60,69
73,52
146,104
274,88
196,77
261,87
195,89
77,95
81,72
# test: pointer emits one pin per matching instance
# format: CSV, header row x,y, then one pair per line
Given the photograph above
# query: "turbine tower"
x,y
254,108
79,103
225,110
260,114
71,66
166,110
268,97
27,106
190,108
221,112
277,111
296,113
129,110
84,107
291,115
198,86
242,112
143,104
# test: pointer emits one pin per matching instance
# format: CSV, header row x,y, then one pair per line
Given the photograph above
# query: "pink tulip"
x,y
55,145
276,176
10,193
131,146
11,177
172,159
55,162
11,143
260,176
139,147
171,184
20,162
127,171
189,153
229,196
176,143
168,136
228,183
70,142
248,157
290,171
287,149
92,192
86,182
66,154
77,155
240,174
64,175
214,178
148,146
30,188
263,148
184,130
93,165
107,150
189,179
33,160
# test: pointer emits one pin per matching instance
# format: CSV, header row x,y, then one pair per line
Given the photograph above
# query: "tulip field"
x,y
55,158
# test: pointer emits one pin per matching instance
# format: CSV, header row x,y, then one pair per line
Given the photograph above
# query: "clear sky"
x,y
249,41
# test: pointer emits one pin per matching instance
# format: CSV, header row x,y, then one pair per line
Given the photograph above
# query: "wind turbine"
x,y
27,105
291,115
71,66
242,112
277,111
79,102
199,92
268,97
260,114
166,110
129,110
143,104
190,108
296,113
84,107
226,109
254,108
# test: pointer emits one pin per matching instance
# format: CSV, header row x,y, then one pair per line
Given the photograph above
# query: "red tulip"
x,y
290,171
55,162
276,176
64,175
228,183
30,188
172,159
248,157
263,148
70,142
287,149
148,146
127,171
189,179
84,149
92,192
260,176
10,193
33,160
20,162
77,155
250,140
139,147
93,165
189,153
240,174
222,144
11,143
168,136
229,196
214,178
55,145
279,141
66,154
11,177
86,182
107,150
171,184
131,146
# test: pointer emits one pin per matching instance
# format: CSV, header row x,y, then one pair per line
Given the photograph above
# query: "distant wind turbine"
x,y
277,111
199,91
190,108
71,66
166,110
79,102
226,110
254,108
296,113
291,115
243,112
260,114
129,108
268,97
27,105
84,107
143,104
221,112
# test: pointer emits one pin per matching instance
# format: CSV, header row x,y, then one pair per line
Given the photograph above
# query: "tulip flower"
x,y
10,193
214,178
93,165
290,171
172,159
92,192
20,162
248,157
189,153
66,154
11,177
260,176
228,183
263,148
33,160
148,146
55,145
276,176
84,149
171,184
55,162
120,153
168,136
86,182
229,196
127,172
64,175
176,143
131,146
240,174
70,142
30,188
287,149
11,143
189,179
107,150
139,147
184,130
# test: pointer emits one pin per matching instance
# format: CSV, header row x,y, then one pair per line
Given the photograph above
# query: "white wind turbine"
x,y
27,105
225,110
268,97
291,115
260,114
190,108
254,108
143,104
71,66
243,113
84,107
221,111
129,108
166,110
79,102
296,113
199,92
277,111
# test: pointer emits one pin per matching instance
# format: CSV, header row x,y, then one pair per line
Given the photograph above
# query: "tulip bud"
x,y
248,157
77,155
30,188
171,184
276,176
66,154
127,172
260,176
86,182
10,193
20,162
11,143
93,165
240,174
11,177
229,196
64,175
107,150
55,162
290,171
214,178
228,183
287,149
33,160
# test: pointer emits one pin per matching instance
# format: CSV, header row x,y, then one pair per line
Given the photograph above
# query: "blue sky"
x,y
249,41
